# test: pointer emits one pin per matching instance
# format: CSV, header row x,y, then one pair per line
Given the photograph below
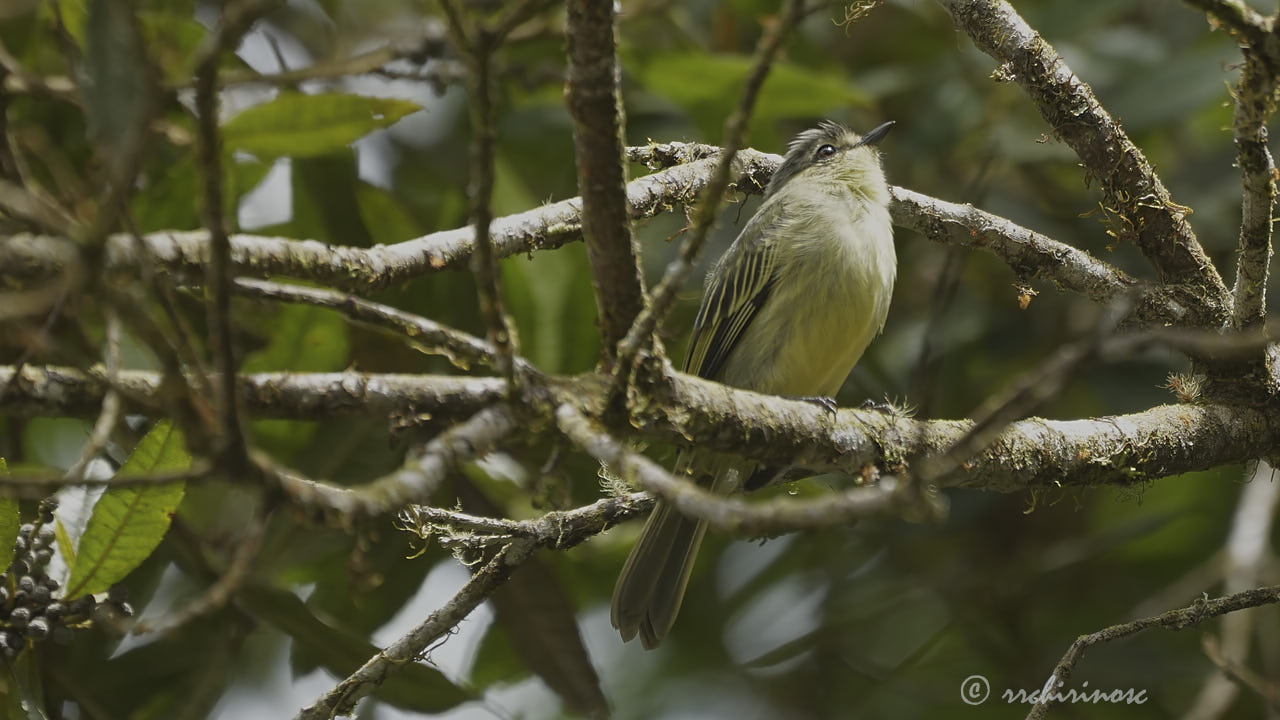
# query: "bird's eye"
x,y
825,152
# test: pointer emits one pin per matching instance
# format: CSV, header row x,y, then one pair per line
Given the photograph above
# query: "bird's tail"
x,y
651,585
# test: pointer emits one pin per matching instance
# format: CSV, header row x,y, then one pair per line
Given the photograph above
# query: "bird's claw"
x,y
822,401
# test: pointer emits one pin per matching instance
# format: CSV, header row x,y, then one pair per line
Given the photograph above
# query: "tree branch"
x,y
733,514
558,530
1255,99
415,482
68,392
1030,254
1028,454
341,699
423,334
477,47
593,93
1132,191
1180,619
234,21
23,257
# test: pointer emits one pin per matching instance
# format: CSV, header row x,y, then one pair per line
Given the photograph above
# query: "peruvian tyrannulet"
x,y
787,310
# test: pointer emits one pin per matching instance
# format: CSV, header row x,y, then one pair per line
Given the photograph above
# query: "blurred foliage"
x,y
884,619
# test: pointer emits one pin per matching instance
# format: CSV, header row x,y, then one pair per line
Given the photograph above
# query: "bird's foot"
x,y
822,401
884,407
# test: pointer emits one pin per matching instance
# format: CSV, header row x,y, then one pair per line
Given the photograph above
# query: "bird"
x,y
787,310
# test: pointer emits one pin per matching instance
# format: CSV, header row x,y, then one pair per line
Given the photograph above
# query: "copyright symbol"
x,y
974,690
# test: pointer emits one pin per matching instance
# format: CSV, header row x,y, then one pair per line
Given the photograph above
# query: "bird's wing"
x,y
738,288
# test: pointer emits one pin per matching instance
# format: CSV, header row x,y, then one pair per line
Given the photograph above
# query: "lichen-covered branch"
x,y
551,226
1255,104
557,530
1030,254
67,392
1134,195
593,93
1028,454
24,257
734,514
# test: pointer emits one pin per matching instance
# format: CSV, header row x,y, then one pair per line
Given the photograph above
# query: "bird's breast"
x,y
832,292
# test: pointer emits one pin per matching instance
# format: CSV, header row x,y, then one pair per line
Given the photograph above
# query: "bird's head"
x,y
834,156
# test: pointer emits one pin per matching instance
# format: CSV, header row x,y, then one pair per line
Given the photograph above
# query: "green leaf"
x,y
300,125
173,38
9,522
791,91
414,686
128,522
303,339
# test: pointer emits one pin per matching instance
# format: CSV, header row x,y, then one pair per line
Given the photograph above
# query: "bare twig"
x,y
594,96
1180,619
234,22
36,486
217,595
341,699
1246,558
415,482
111,404
423,334
477,46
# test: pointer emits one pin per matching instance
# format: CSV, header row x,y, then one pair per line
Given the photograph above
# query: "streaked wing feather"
x,y
728,307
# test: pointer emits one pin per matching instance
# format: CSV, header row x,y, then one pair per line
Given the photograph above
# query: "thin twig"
x,y
423,334
217,595
1179,619
342,698
477,46
416,480
234,22
1245,560
111,404
36,486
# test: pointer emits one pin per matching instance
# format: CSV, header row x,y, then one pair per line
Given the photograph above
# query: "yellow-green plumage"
x,y
788,310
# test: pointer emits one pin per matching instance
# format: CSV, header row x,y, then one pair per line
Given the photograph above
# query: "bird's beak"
x,y
875,136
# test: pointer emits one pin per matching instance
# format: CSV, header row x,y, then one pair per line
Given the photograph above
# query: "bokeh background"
x,y
882,619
